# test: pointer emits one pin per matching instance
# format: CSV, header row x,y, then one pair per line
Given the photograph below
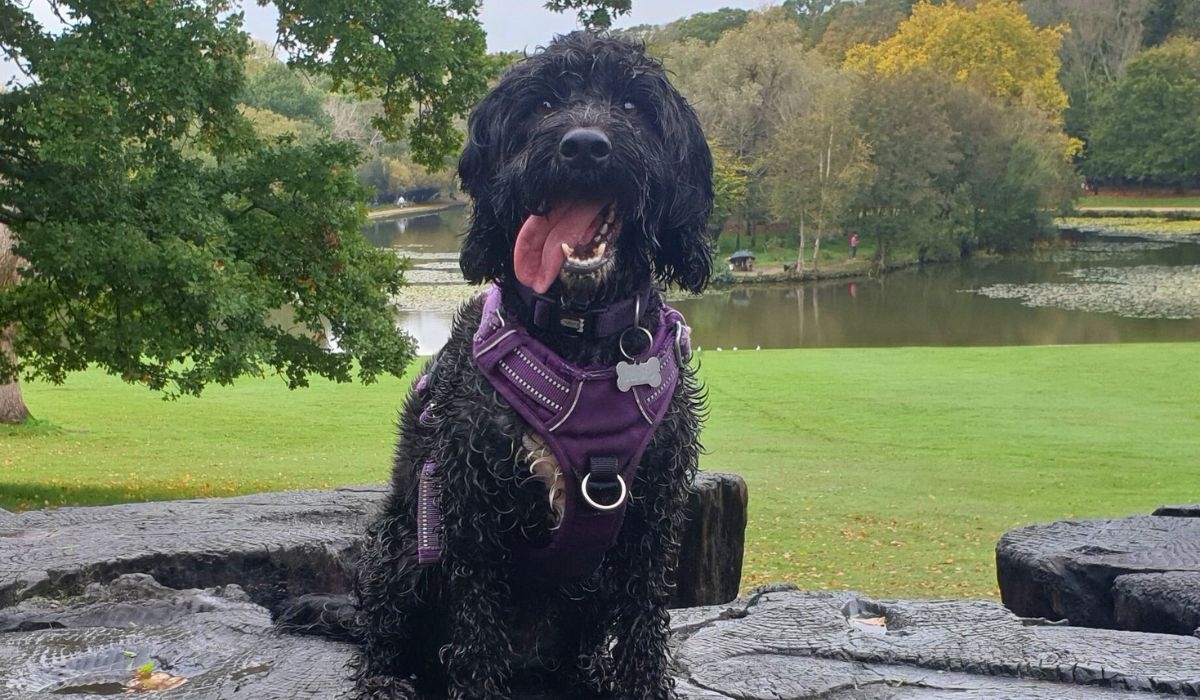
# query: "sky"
x,y
511,25
514,25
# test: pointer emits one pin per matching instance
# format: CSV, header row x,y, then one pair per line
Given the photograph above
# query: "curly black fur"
x,y
473,624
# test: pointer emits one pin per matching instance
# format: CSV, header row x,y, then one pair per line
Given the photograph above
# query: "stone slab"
x,y
1068,569
286,544
776,643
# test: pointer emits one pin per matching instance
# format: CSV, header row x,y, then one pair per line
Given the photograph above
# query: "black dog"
x,y
521,535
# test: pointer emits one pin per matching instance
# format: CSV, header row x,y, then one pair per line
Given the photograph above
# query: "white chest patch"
x,y
543,466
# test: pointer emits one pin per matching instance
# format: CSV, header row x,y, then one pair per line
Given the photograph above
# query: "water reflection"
x,y
939,305
437,233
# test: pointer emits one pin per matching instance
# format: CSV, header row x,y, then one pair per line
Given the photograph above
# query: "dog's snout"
x,y
585,148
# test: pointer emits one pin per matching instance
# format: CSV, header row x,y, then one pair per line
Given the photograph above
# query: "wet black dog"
x,y
591,182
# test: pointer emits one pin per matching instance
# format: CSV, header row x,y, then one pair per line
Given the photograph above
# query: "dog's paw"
x,y
385,688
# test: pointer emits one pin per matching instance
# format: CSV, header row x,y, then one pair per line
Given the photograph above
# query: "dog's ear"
x,y
485,254
684,252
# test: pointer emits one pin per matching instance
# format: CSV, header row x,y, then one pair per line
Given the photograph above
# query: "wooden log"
x,y
1188,510
713,542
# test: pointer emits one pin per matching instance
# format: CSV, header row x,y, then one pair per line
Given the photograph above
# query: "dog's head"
x,y
590,174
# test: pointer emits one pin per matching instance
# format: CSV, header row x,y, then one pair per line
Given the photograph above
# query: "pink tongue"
x,y
538,255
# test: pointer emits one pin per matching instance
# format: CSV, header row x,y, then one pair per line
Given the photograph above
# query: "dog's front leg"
x,y
478,657
641,570
477,565
646,563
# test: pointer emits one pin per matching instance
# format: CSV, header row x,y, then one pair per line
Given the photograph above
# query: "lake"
x,y
1095,289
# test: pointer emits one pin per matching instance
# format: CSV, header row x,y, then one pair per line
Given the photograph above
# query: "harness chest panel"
x,y
597,424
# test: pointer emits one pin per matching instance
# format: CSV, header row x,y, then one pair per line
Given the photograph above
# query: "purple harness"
x,y
597,421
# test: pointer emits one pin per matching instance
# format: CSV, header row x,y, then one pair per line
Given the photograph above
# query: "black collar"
x,y
549,314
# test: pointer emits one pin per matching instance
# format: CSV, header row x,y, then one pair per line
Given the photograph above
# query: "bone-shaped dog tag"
x,y
634,374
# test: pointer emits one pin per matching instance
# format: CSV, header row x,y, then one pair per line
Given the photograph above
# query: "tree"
x,y
12,406
160,232
1012,171
1145,127
729,186
994,48
913,156
1103,35
595,14
272,86
819,161
849,23
423,59
705,26
743,87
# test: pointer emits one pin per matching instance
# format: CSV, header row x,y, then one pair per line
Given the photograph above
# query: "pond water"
x,y
1096,289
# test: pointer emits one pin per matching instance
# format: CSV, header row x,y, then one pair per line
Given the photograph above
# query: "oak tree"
x,y
167,241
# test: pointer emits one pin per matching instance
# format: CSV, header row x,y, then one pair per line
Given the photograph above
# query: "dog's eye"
x,y
629,108
544,107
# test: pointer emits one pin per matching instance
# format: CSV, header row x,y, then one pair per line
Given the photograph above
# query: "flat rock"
x,y
285,544
1067,570
776,643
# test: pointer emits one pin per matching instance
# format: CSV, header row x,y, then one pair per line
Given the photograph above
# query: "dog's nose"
x,y
585,148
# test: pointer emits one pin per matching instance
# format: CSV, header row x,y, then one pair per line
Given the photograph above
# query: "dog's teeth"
x,y
600,249
612,215
604,229
567,251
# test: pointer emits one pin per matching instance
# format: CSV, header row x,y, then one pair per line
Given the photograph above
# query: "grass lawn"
x,y
1134,200
889,471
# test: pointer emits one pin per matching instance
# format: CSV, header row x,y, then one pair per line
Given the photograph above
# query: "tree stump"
x,y
281,545
1139,573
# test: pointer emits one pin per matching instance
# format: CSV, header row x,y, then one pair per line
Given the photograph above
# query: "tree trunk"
x,y
12,406
800,252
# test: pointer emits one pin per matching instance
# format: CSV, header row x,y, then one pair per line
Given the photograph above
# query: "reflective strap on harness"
x,y
429,516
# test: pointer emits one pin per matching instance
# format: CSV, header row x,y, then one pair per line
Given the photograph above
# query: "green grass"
x,y
1168,202
889,471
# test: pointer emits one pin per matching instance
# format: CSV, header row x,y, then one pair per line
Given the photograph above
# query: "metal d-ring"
x,y
621,342
583,489
637,317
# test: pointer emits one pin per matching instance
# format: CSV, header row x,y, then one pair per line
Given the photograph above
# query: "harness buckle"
x,y
575,323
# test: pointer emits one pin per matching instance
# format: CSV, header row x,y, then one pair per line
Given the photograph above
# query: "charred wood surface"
x,y
1139,573
280,545
777,643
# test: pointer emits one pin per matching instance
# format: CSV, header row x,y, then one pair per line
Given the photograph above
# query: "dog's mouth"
x,y
575,238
